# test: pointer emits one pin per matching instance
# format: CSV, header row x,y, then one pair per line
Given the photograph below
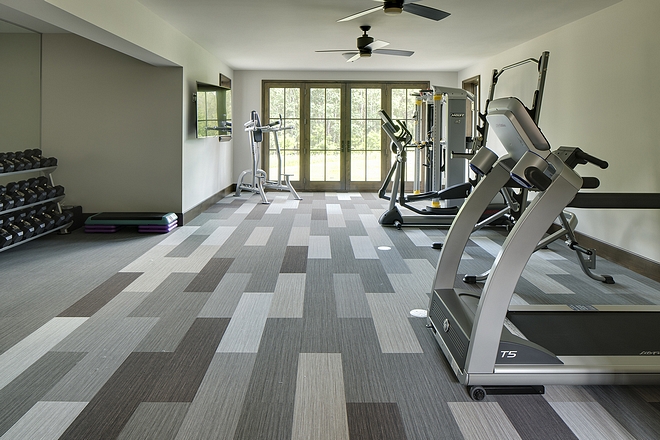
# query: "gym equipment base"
x,y
109,222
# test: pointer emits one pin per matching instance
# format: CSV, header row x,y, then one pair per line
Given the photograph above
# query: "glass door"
x,y
336,142
365,140
323,156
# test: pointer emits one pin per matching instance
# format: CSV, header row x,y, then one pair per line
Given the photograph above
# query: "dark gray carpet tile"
x,y
101,295
185,369
28,388
149,377
363,363
319,214
257,212
407,248
187,247
107,413
371,421
624,405
155,421
295,260
210,276
656,406
534,418
268,408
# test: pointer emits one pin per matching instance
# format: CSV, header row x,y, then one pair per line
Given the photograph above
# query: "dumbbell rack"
x,y
46,171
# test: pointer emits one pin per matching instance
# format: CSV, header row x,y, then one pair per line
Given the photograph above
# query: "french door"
x,y
336,142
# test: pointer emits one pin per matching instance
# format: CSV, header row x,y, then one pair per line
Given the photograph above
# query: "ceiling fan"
x,y
366,46
394,7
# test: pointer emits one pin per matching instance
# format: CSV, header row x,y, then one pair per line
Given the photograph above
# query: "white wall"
x,y
247,96
113,122
20,88
601,95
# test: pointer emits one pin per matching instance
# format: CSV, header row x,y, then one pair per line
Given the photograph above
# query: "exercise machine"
x,y
260,182
445,178
494,347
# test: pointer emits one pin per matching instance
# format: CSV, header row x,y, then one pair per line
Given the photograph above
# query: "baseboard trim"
x,y
206,204
622,257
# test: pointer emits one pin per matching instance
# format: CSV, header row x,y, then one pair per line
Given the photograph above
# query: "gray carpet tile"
x,y
45,420
224,299
624,405
186,248
280,321
219,399
110,349
101,295
350,296
364,364
28,388
210,276
155,421
21,356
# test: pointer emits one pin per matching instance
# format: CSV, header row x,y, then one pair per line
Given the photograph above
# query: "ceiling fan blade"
x,y
351,56
376,45
425,11
360,14
334,50
399,53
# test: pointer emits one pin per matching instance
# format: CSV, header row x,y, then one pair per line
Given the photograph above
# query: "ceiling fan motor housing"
x,y
393,7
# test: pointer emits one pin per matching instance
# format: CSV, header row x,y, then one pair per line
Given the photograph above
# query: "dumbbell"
x,y
7,165
48,161
5,238
11,190
20,163
32,194
48,220
16,232
29,217
5,199
34,155
30,161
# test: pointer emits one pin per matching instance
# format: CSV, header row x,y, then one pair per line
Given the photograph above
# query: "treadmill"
x,y
494,347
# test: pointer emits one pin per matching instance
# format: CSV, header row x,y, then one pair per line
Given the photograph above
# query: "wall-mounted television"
x,y
213,104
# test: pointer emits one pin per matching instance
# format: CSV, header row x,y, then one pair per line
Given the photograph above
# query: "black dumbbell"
x,y
14,230
7,165
47,219
48,161
39,224
30,161
6,238
6,200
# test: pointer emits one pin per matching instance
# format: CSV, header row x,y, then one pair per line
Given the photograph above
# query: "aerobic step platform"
x,y
108,222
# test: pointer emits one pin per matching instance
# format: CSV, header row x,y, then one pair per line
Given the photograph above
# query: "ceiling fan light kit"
x,y
366,45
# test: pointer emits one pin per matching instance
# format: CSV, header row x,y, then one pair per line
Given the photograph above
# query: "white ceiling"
x,y
284,34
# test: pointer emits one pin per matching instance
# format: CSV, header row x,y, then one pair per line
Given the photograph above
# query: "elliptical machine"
x,y
259,177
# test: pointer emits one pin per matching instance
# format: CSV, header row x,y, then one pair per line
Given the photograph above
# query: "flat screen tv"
x,y
213,103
